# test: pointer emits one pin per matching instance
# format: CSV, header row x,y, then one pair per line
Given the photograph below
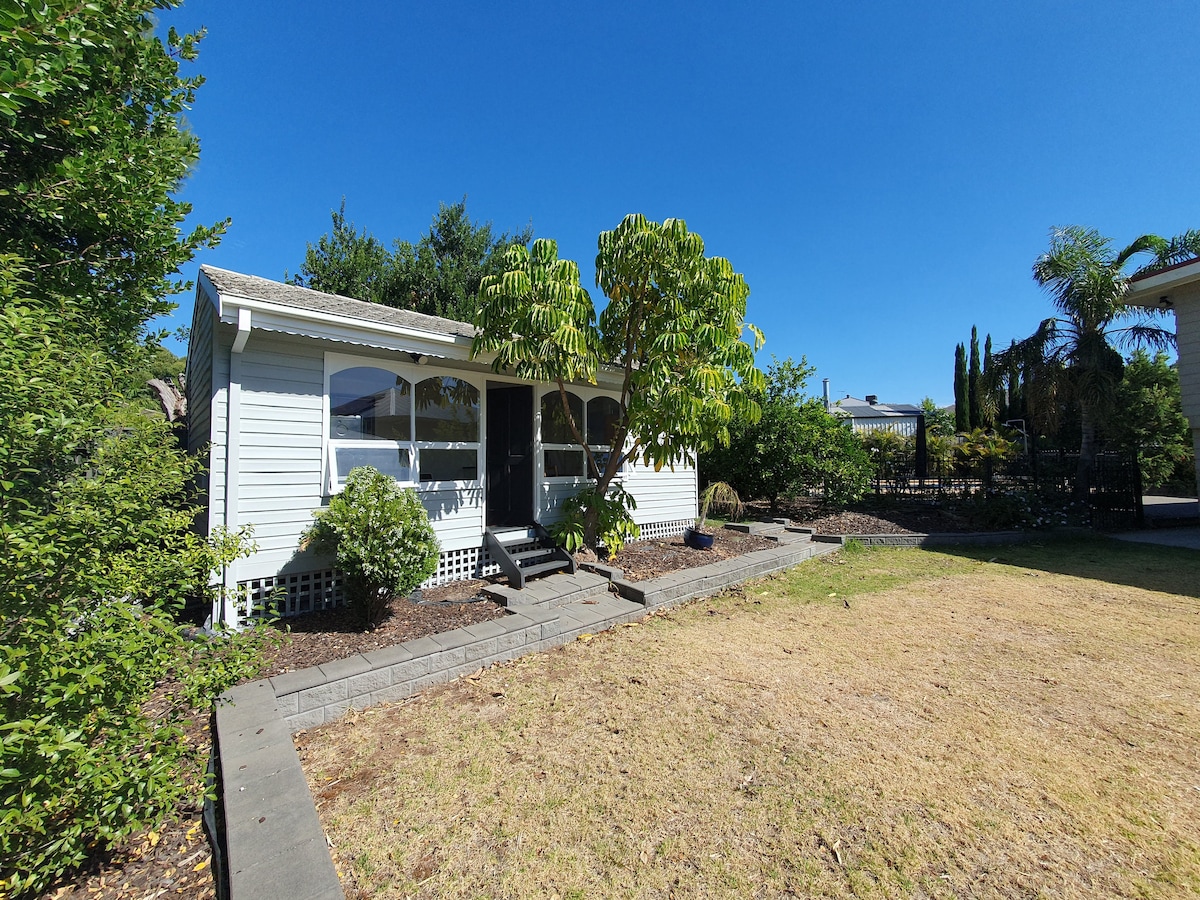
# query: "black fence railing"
x,y
1114,490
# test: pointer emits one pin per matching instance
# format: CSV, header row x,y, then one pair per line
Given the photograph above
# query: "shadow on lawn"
x,y
1154,567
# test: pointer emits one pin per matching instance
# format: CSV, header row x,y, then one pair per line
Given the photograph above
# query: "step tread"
x,y
555,566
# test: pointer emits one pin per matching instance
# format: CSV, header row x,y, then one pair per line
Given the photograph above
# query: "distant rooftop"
x,y
863,409
252,287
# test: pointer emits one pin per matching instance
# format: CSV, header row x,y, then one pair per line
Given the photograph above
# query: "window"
x,y
424,431
447,429
562,456
603,419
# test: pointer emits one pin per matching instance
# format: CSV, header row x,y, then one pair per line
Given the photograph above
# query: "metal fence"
x,y
1114,491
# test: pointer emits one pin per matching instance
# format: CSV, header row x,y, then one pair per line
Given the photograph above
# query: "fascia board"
x,y
310,323
1180,283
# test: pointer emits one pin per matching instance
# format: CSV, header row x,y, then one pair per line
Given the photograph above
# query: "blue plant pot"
x,y
697,540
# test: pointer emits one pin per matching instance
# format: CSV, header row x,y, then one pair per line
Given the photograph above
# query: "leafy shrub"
x,y
795,448
615,526
380,538
96,552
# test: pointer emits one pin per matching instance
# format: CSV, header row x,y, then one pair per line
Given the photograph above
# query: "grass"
x,y
1018,721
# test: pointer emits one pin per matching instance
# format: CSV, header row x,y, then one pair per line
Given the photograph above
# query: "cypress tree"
x,y
988,417
974,417
962,403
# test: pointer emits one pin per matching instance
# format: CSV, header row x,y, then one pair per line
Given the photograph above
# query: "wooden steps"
x,y
538,554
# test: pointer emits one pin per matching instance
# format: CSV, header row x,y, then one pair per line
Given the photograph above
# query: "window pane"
x,y
602,455
393,461
555,429
603,413
449,465
564,462
447,410
368,403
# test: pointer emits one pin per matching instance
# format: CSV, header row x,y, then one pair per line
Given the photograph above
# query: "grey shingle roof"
x,y
253,287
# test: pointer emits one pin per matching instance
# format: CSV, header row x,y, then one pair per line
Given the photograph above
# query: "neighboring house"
x,y
1178,289
290,388
871,415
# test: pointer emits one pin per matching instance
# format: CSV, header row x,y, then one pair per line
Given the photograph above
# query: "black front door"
x,y
509,454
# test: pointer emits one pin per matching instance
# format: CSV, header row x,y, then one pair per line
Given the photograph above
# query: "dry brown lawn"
x,y
887,723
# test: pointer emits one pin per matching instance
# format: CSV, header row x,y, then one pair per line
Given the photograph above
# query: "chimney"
x,y
872,399
825,385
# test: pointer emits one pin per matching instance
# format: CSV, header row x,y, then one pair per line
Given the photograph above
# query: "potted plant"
x,y
719,495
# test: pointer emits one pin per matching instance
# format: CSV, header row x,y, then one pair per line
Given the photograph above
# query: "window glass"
x,y
447,410
394,461
560,463
603,414
366,403
449,465
602,456
555,429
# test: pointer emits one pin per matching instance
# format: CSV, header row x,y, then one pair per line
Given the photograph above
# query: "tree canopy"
x,y
796,446
96,498
671,336
91,155
439,275
1071,357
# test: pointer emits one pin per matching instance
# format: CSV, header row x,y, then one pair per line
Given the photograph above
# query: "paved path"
x,y
1162,509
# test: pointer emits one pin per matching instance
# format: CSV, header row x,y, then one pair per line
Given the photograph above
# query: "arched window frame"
x,y
600,450
414,375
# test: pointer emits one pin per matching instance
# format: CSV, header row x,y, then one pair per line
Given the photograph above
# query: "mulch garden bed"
x,y
176,860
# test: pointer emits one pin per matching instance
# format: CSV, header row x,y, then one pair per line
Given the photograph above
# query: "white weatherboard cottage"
x,y
289,388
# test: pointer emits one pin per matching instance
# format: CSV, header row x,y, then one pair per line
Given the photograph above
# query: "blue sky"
x,y
884,174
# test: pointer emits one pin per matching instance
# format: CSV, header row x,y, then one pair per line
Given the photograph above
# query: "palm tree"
x,y
1071,356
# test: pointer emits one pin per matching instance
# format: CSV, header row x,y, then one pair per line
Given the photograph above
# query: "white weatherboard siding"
x,y
551,494
905,427
668,495
1187,332
281,460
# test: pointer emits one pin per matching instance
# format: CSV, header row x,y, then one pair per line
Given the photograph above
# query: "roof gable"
x,y
277,293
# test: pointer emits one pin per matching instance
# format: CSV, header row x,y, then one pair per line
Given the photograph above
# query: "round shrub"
x,y
380,538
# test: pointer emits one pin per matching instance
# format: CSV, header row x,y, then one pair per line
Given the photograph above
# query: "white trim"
x,y
414,374
228,612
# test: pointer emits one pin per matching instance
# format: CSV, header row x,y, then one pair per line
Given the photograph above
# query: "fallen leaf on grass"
x,y
586,636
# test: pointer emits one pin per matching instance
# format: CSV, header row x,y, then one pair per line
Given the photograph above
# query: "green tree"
x,y
96,499
938,422
346,262
91,155
1070,357
796,446
992,398
975,416
96,553
671,333
962,397
438,275
1151,421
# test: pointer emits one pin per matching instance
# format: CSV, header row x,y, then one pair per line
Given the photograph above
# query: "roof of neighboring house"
x,y
861,409
252,287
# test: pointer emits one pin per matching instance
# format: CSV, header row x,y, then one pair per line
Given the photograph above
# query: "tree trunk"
x,y
1087,452
591,525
